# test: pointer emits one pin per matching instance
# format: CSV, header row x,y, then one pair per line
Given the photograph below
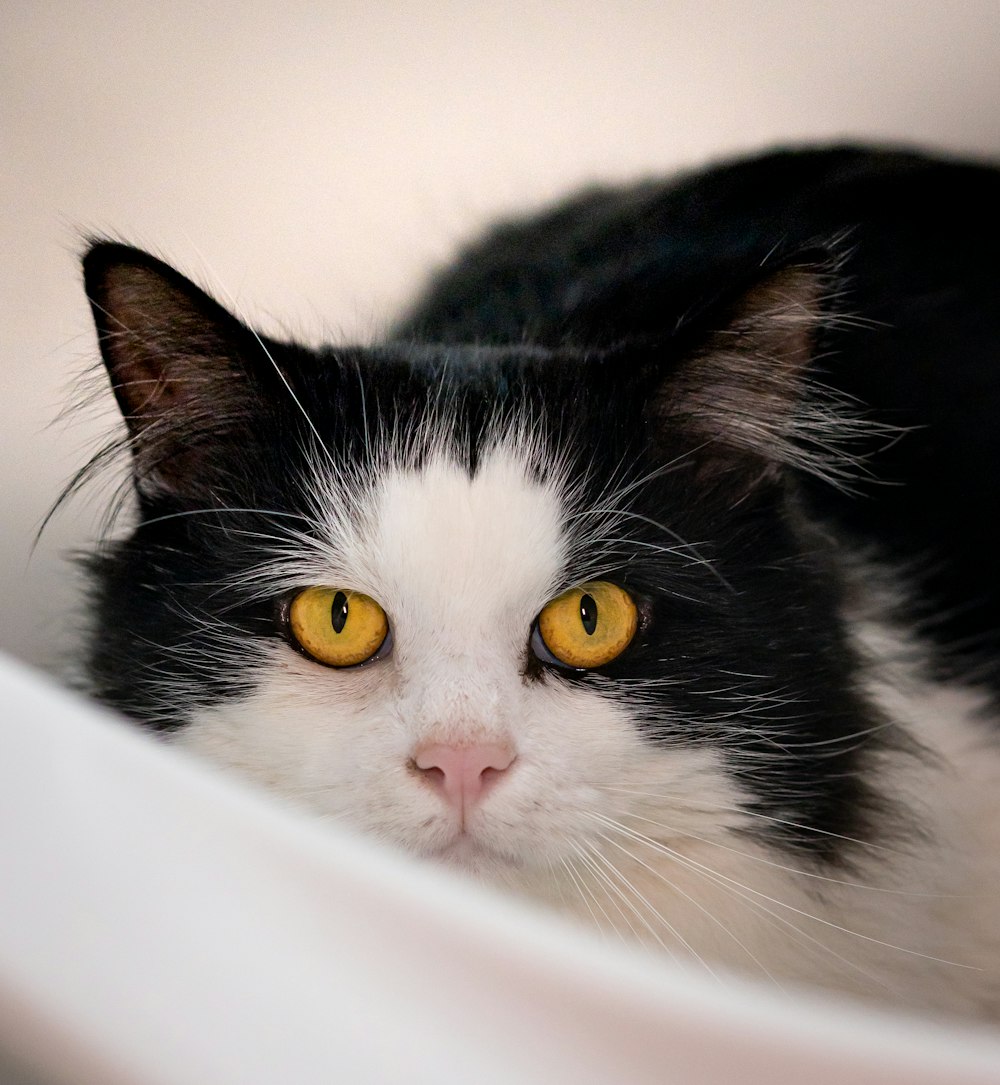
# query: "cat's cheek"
x,y
307,732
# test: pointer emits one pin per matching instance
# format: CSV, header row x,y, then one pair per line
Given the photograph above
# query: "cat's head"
x,y
484,602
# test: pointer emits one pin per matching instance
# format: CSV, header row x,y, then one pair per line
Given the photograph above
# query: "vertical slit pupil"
x,y
338,612
588,614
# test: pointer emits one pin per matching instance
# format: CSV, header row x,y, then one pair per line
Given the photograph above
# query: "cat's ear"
x,y
743,396
176,360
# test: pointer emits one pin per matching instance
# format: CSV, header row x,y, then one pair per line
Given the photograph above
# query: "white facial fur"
x,y
638,839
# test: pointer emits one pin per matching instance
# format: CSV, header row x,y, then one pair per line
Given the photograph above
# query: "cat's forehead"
x,y
435,537
440,524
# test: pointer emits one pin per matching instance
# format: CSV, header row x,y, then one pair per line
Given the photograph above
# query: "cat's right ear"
x,y
176,360
744,398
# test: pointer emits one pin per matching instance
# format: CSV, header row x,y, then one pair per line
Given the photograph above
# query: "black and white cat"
x,y
649,568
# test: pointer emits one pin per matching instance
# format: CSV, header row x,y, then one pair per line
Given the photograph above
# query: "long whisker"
x,y
586,895
744,812
790,869
629,887
743,893
677,889
781,904
210,511
589,864
554,879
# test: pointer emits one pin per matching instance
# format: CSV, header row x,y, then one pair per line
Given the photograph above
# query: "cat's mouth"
x,y
466,851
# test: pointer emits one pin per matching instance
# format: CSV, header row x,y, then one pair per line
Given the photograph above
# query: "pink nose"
x,y
463,774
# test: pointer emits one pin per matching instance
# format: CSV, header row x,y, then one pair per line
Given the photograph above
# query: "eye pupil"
x,y
338,612
588,614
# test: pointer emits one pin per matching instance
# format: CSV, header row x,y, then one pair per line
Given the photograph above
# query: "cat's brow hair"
x,y
598,528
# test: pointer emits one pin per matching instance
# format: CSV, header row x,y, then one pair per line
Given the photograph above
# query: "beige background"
x,y
313,160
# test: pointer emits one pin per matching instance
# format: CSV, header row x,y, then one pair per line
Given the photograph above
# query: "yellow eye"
x,y
336,627
589,625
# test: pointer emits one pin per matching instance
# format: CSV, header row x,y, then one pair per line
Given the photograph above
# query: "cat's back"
x,y
613,262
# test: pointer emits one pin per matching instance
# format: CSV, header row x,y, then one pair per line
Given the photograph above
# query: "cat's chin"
x,y
471,856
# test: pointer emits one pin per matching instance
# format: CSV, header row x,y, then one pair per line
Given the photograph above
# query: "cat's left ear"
x,y
743,395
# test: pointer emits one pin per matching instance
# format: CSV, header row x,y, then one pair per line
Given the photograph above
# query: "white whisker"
x,y
784,822
714,919
587,894
612,894
657,845
748,896
790,869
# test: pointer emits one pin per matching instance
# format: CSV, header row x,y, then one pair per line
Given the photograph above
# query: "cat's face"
x,y
462,565
458,493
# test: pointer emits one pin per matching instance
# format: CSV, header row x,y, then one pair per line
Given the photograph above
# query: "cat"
x,y
647,568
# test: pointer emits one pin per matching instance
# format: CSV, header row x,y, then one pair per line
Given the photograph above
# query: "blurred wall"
x,y
313,160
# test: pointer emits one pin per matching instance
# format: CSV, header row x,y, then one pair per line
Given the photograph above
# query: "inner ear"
x,y
742,396
161,337
175,357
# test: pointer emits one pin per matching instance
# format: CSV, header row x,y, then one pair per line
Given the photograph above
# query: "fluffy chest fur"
x,y
646,409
